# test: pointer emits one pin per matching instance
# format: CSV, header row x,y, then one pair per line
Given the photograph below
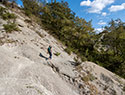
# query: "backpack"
x,y
49,49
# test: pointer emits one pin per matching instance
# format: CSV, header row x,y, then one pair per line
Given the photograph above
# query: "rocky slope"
x,y
24,69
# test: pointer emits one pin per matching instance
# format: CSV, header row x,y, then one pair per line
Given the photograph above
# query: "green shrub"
x,y
28,13
2,10
5,2
77,61
57,53
1,42
8,15
11,27
83,58
68,50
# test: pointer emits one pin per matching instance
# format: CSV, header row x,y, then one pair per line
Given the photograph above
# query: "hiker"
x,y
50,52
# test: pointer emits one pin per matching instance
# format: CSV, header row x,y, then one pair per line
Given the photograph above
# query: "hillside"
x,y
25,71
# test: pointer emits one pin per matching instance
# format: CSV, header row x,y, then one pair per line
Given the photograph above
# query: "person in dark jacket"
x,y
50,52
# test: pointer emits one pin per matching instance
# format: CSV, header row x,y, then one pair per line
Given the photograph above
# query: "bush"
x,y
5,2
1,42
2,10
57,53
11,27
77,61
83,58
28,13
68,50
8,15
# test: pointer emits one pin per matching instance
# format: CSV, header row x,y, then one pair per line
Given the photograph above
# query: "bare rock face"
x,y
24,69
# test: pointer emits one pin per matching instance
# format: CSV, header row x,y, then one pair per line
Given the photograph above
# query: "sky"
x,y
99,11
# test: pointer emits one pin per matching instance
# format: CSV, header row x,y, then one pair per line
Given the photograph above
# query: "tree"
x,y
33,7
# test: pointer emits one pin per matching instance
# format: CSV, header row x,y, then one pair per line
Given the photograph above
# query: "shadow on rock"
x,y
43,56
74,63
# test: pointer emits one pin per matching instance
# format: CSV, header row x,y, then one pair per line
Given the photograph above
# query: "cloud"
x,y
104,13
85,3
19,5
101,22
96,6
115,8
46,1
98,30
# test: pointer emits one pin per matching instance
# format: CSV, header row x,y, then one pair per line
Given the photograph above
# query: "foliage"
x,y
83,58
77,34
114,57
8,4
68,50
1,42
2,10
10,27
77,61
32,7
72,31
28,13
57,53
8,15
5,2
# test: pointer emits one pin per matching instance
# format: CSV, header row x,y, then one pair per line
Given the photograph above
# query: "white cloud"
x,y
19,5
46,1
98,30
85,3
101,22
96,6
115,8
104,13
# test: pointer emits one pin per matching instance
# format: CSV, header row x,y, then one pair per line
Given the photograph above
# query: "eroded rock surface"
x,y
24,69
